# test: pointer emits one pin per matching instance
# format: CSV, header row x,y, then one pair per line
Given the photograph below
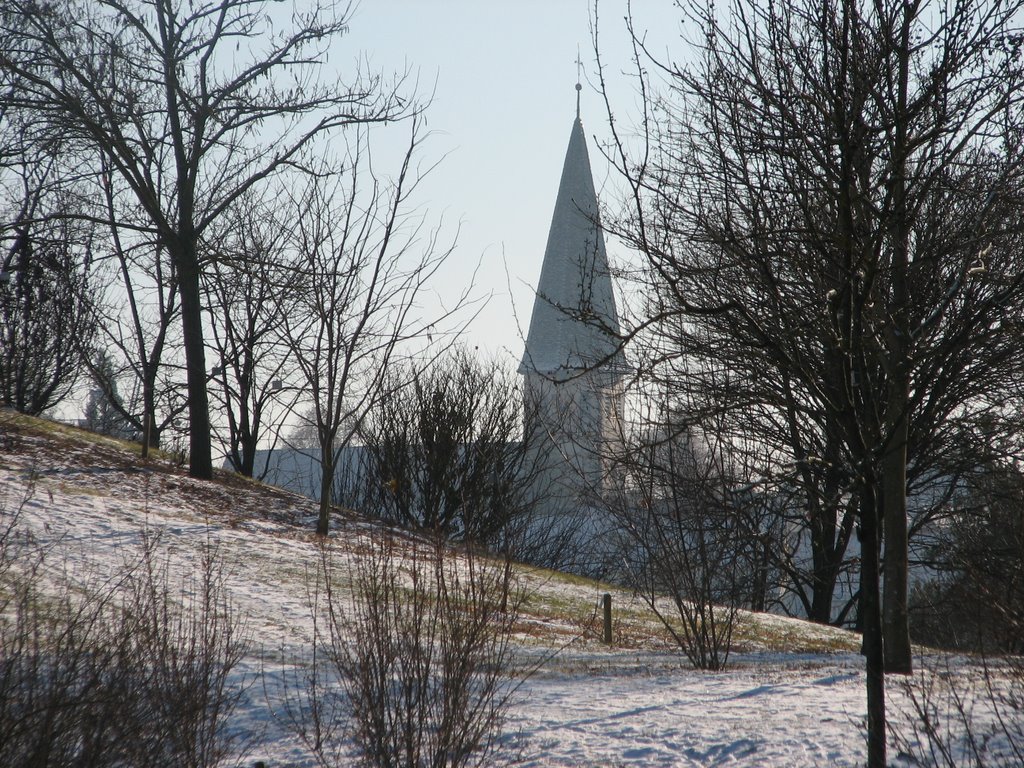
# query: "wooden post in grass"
x,y
607,600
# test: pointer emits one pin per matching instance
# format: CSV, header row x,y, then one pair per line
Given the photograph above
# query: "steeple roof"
x,y
574,320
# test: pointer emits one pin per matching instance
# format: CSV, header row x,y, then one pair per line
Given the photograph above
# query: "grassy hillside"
x,y
64,464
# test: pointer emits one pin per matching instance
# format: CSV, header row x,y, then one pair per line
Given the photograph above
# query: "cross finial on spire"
x,y
579,86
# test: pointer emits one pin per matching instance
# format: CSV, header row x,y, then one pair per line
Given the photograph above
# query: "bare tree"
x,y
135,322
248,290
445,451
769,425
419,637
782,202
361,263
192,105
45,286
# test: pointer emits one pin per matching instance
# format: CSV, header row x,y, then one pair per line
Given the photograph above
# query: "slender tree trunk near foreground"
x,y
148,420
895,618
896,624
872,623
323,522
200,454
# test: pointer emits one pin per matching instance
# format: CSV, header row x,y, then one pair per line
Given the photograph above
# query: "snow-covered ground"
x,y
636,704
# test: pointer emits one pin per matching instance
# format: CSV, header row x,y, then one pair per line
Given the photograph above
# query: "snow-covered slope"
x,y
793,695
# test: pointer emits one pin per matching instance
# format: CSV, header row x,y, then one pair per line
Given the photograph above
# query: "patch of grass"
x,y
767,633
81,490
69,436
569,579
19,422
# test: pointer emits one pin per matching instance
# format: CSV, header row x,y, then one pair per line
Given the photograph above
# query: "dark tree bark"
x,y
871,621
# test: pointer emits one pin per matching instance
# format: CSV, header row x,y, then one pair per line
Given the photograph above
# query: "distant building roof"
x,y
574,324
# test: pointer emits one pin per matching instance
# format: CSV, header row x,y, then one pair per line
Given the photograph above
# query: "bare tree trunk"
x,y
896,625
200,454
248,454
323,521
871,618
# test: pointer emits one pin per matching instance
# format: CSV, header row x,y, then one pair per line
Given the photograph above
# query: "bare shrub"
x,y
955,718
684,543
955,721
690,566
451,450
423,655
55,680
131,671
183,643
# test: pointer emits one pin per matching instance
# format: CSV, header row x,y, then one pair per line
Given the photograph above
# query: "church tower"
x,y
572,365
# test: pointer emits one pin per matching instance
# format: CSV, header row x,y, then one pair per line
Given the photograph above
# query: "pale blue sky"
x,y
504,102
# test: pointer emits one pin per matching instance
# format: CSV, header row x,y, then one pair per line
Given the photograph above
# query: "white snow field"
x,y
793,694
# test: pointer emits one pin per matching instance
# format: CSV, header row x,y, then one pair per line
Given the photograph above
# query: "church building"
x,y
572,365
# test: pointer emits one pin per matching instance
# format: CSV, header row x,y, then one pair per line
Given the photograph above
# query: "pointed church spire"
x,y
574,320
